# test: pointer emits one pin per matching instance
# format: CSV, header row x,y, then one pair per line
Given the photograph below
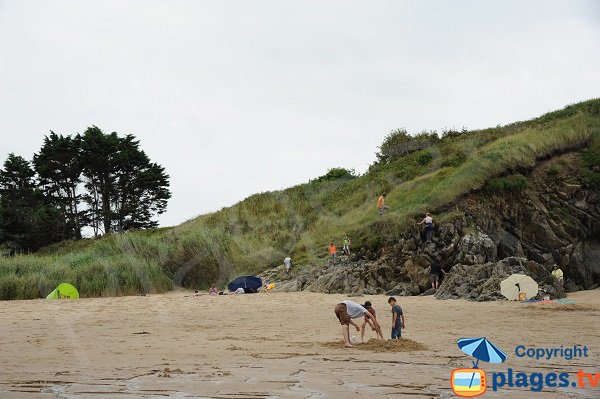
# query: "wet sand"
x,y
274,345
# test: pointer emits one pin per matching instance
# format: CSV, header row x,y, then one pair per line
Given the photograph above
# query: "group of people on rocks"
x,y
382,207
332,249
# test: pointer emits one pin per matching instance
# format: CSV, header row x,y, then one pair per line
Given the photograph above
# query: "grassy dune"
x,y
259,231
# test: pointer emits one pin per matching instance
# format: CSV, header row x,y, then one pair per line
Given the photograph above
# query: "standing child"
x,y
347,310
332,251
397,318
346,245
375,327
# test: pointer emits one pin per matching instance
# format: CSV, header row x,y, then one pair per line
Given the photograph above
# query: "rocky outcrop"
x,y
481,282
489,238
476,249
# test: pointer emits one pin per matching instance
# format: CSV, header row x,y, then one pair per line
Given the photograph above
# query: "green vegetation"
x,y
512,183
553,171
591,163
97,180
255,234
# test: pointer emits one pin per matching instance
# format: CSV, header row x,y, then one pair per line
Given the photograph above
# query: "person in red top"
x,y
332,251
375,326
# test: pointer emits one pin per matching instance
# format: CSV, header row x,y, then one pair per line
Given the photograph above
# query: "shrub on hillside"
x,y
336,174
399,143
512,183
425,158
591,165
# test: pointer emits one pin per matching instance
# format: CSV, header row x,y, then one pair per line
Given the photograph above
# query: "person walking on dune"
x,y
381,204
347,310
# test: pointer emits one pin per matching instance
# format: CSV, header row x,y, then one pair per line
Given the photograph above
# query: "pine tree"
x,y
27,222
59,167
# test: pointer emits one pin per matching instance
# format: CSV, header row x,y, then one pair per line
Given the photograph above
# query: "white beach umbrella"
x,y
516,283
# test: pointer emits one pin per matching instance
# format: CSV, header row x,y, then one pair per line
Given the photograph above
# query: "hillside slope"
x,y
257,233
515,224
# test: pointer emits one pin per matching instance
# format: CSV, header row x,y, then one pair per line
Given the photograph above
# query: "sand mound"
x,y
374,345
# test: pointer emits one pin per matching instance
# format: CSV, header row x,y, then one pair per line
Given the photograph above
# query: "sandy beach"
x,y
274,345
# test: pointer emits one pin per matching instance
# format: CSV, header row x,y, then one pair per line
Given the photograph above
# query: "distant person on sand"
x,y
288,264
347,310
428,221
381,204
435,273
332,251
558,275
346,248
397,318
376,327
213,290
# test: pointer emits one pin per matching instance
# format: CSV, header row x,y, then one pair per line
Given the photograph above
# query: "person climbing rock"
x,y
435,273
428,221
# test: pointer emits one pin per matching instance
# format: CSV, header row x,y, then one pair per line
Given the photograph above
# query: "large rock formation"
x,y
489,238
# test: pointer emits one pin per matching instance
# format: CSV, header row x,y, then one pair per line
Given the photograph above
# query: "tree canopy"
x,y
99,180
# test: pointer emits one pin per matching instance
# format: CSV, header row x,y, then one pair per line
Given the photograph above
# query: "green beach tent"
x,y
64,290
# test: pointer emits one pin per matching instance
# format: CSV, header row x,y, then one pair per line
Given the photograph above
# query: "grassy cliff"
x,y
256,233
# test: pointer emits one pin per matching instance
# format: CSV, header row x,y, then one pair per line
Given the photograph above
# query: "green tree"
x,y
27,222
141,187
59,167
99,161
125,189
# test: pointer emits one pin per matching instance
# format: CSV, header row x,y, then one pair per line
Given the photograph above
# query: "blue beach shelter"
x,y
248,283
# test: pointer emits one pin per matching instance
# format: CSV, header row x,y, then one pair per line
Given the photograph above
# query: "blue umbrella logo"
x,y
481,349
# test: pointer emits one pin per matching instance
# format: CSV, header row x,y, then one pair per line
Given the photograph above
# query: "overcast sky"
x,y
239,97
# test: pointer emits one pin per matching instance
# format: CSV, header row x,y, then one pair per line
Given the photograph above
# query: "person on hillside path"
x,y
428,221
558,275
332,251
346,248
288,264
435,273
347,310
376,328
381,204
